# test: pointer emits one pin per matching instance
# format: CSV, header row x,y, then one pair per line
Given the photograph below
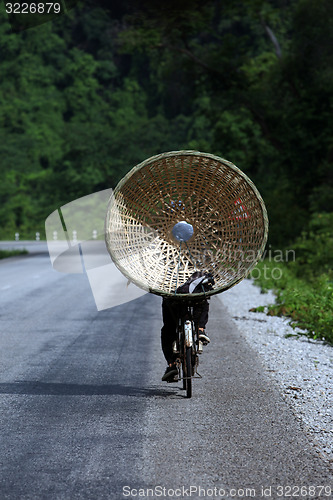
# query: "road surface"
x,y
85,415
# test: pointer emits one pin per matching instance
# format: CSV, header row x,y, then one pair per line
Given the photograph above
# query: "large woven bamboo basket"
x,y
221,203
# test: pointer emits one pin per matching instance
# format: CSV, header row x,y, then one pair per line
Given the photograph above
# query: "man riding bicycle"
x,y
171,310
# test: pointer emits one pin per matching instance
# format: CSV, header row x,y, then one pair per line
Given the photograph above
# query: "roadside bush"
x,y
309,305
314,248
304,287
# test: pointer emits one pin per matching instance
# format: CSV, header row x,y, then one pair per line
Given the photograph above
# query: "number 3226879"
x,y
33,8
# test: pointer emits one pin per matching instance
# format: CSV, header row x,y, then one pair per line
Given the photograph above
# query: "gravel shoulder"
x,y
301,367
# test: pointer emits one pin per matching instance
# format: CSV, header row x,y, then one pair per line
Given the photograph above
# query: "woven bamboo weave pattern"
x,y
224,207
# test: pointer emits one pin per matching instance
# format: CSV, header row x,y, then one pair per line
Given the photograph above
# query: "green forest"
x,y
89,94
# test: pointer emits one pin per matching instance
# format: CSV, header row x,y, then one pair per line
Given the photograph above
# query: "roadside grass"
x,y
11,253
304,287
309,305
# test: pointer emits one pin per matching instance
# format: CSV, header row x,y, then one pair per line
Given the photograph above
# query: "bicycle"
x,y
187,347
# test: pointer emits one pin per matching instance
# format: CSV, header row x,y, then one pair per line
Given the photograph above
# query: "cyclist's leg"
x,y
201,312
169,329
168,336
200,316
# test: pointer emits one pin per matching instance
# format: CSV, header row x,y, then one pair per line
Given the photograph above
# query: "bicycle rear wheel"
x,y
188,364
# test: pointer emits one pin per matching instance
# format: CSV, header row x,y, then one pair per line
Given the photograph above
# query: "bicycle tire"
x,y
188,362
184,366
184,377
182,352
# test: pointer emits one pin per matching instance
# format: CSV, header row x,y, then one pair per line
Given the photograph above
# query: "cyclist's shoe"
x,y
203,337
171,374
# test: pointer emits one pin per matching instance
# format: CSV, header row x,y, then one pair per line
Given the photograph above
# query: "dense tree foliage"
x,y
88,95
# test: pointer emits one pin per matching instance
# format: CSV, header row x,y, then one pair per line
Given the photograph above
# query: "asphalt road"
x,y
85,415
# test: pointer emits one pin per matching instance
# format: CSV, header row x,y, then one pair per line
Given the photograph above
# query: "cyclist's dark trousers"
x,y
171,310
